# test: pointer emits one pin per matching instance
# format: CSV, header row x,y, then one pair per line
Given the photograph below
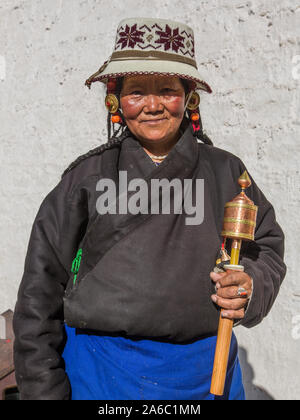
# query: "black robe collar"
x,y
180,161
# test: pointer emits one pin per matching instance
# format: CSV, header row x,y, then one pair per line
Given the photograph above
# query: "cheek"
x,y
130,108
175,106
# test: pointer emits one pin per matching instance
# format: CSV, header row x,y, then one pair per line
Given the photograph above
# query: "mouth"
x,y
153,122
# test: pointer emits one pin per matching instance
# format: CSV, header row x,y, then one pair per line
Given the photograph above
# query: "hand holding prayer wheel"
x,y
233,291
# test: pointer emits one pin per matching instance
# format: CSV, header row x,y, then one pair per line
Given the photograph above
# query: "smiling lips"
x,y
153,121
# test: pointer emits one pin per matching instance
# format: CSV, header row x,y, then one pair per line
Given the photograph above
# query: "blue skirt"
x,y
101,367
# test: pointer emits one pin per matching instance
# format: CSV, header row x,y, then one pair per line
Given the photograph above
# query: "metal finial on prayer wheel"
x,y
240,214
244,180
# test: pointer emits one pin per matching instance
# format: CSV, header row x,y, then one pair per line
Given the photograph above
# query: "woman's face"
x,y
153,107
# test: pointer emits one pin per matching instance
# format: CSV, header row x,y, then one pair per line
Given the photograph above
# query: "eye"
x,y
136,92
167,90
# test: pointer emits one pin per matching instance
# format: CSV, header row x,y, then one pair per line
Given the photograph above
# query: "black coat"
x,y
143,275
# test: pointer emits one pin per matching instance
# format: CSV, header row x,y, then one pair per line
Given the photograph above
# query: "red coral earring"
x,y
116,119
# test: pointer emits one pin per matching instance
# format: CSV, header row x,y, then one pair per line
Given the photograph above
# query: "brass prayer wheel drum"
x,y
240,214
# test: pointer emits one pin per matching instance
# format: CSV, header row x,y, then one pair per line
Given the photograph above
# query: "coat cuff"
x,y
253,313
239,321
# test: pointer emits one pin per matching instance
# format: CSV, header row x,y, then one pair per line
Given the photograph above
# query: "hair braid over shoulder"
x,y
113,142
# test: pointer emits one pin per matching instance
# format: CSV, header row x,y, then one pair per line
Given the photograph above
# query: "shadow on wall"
x,y
252,391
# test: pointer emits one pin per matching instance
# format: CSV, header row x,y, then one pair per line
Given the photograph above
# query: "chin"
x,y
155,136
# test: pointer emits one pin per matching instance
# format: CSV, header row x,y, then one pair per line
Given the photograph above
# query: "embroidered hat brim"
x,y
152,46
160,67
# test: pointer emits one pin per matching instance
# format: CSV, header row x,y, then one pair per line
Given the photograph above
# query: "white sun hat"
x,y
152,46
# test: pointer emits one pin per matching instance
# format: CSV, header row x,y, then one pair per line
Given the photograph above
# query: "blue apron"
x,y
101,367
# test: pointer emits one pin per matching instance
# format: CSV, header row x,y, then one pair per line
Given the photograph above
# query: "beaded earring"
x,y
112,102
193,111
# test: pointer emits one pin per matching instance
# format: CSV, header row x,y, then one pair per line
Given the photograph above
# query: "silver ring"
x,y
242,292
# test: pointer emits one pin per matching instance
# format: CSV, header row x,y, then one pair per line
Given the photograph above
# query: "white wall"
x,y
248,51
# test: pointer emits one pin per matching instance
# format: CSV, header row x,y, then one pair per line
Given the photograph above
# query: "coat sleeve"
x,y
263,258
38,317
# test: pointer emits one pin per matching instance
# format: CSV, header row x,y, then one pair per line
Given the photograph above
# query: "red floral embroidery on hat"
x,y
130,36
170,39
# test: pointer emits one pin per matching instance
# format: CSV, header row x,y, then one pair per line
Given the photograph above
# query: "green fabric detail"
x,y
76,264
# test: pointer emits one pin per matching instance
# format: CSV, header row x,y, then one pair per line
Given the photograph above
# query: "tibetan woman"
x,y
118,299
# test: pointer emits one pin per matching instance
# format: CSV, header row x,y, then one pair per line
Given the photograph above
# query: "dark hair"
x,y
112,143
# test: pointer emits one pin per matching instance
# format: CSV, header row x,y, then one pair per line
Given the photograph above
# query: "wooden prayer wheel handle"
x,y
222,348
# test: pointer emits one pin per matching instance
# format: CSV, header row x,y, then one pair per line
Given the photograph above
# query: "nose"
x,y
153,104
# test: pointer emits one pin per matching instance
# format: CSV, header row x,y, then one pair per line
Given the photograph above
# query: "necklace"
x,y
158,157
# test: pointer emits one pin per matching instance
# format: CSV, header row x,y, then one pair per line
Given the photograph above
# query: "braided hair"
x,y
113,142
188,87
201,135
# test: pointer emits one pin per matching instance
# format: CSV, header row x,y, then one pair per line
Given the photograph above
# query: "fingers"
x,y
233,304
230,314
232,308
233,290
238,278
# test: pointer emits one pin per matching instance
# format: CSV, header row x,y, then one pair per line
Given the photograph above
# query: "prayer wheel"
x,y
239,224
240,214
